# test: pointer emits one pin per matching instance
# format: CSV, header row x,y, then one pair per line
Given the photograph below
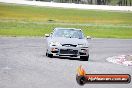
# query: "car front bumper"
x,y
68,51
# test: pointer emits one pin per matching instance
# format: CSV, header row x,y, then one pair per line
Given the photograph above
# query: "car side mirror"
x,y
88,37
47,35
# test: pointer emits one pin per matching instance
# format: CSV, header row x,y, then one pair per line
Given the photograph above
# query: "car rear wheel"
x,y
84,58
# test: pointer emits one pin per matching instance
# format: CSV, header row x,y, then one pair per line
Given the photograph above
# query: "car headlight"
x,y
82,45
54,43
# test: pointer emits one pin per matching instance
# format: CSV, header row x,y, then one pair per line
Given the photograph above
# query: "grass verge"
x,y
17,20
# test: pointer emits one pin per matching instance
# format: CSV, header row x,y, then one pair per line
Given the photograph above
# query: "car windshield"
x,y
68,33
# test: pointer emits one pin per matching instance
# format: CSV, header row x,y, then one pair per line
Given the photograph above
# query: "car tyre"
x,y
84,58
49,55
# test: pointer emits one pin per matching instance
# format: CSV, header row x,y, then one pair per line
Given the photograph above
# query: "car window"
x,y
68,33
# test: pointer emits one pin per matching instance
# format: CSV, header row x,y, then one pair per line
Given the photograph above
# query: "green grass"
x,y
21,20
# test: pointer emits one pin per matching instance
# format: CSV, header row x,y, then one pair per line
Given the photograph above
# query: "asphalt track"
x,y
23,64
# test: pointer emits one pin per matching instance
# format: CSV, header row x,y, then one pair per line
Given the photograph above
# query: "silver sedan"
x,y
67,42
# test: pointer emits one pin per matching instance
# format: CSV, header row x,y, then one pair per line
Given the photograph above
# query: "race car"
x,y
65,42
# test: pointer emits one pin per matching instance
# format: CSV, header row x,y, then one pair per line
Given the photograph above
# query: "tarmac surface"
x,y
23,63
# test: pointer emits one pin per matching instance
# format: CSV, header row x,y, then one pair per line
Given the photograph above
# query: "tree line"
x,y
95,2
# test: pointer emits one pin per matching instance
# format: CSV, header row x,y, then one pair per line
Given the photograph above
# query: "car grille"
x,y
69,45
68,51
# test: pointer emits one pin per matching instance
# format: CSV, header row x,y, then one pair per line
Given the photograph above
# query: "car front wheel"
x,y
49,55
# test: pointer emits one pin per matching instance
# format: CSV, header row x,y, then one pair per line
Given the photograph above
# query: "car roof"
x,y
67,28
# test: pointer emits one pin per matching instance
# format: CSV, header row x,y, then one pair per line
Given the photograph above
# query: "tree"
x,y
98,2
130,1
